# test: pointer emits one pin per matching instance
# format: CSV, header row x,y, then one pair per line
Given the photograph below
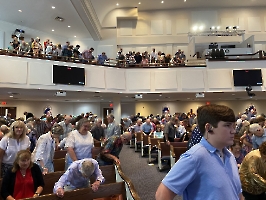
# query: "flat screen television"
x,y
67,75
247,77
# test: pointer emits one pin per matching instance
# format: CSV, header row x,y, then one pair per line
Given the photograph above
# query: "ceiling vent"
x,y
60,19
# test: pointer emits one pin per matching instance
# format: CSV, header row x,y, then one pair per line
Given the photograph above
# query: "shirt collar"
x,y
211,148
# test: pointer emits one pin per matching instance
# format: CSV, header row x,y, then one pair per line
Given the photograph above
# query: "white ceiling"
x,y
39,15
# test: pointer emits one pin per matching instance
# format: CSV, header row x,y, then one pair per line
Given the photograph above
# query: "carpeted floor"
x,y
146,178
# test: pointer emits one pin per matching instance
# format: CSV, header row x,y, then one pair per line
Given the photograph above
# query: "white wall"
x,y
127,109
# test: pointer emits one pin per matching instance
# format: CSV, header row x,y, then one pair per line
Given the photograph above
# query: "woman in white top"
x,y
11,143
79,142
43,153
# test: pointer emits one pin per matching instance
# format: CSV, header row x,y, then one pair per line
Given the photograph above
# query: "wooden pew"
x,y
138,140
49,181
145,144
108,190
154,146
176,152
95,151
60,154
164,153
59,164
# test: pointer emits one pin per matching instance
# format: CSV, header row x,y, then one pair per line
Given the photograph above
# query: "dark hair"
x,y
262,148
213,114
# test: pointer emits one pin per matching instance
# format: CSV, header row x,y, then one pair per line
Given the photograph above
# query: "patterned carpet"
x,y
146,178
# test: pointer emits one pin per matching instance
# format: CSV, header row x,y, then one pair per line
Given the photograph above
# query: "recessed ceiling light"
x,y
52,29
139,2
117,4
160,95
185,0
20,10
53,7
11,96
162,1
75,36
68,26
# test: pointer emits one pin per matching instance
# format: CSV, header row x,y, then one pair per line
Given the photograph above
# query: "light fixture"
x,y
195,28
185,0
53,7
75,36
117,4
139,2
227,28
201,28
20,10
68,26
162,1
218,27
52,29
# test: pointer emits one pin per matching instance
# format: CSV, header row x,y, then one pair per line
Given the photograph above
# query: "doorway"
x,y
106,112
11,110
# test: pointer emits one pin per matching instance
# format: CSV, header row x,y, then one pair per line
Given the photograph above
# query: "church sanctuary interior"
x,y
205,52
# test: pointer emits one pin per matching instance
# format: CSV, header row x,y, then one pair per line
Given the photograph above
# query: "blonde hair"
x,y
18,123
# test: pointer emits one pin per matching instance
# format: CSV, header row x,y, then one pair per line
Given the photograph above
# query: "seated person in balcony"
x,y
10,48
46,43
49,49
175,60
147,127
160,57
66,45
138,58
144,61
88,54
112,148
78,175
120,57
182,58
167,58
153,56
67,53
59,50
16,44
24,48
102,58
76,52
36,47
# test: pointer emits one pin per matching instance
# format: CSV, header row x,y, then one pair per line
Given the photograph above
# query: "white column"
x,y
117,109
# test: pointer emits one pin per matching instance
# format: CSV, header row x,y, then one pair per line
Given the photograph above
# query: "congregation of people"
x,y
28,145
69,52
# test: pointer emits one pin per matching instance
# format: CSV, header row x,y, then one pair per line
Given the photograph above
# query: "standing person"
x,y
252,174
79,142
112,148
112,127
43,153
170,130
23,180
210,169
97,130
67,126
78,175
11,143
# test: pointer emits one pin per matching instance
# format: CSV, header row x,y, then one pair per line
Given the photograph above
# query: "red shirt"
x,y
24,186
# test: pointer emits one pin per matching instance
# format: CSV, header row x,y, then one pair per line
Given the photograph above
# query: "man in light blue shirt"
x,y
208,170
147,127
78,175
